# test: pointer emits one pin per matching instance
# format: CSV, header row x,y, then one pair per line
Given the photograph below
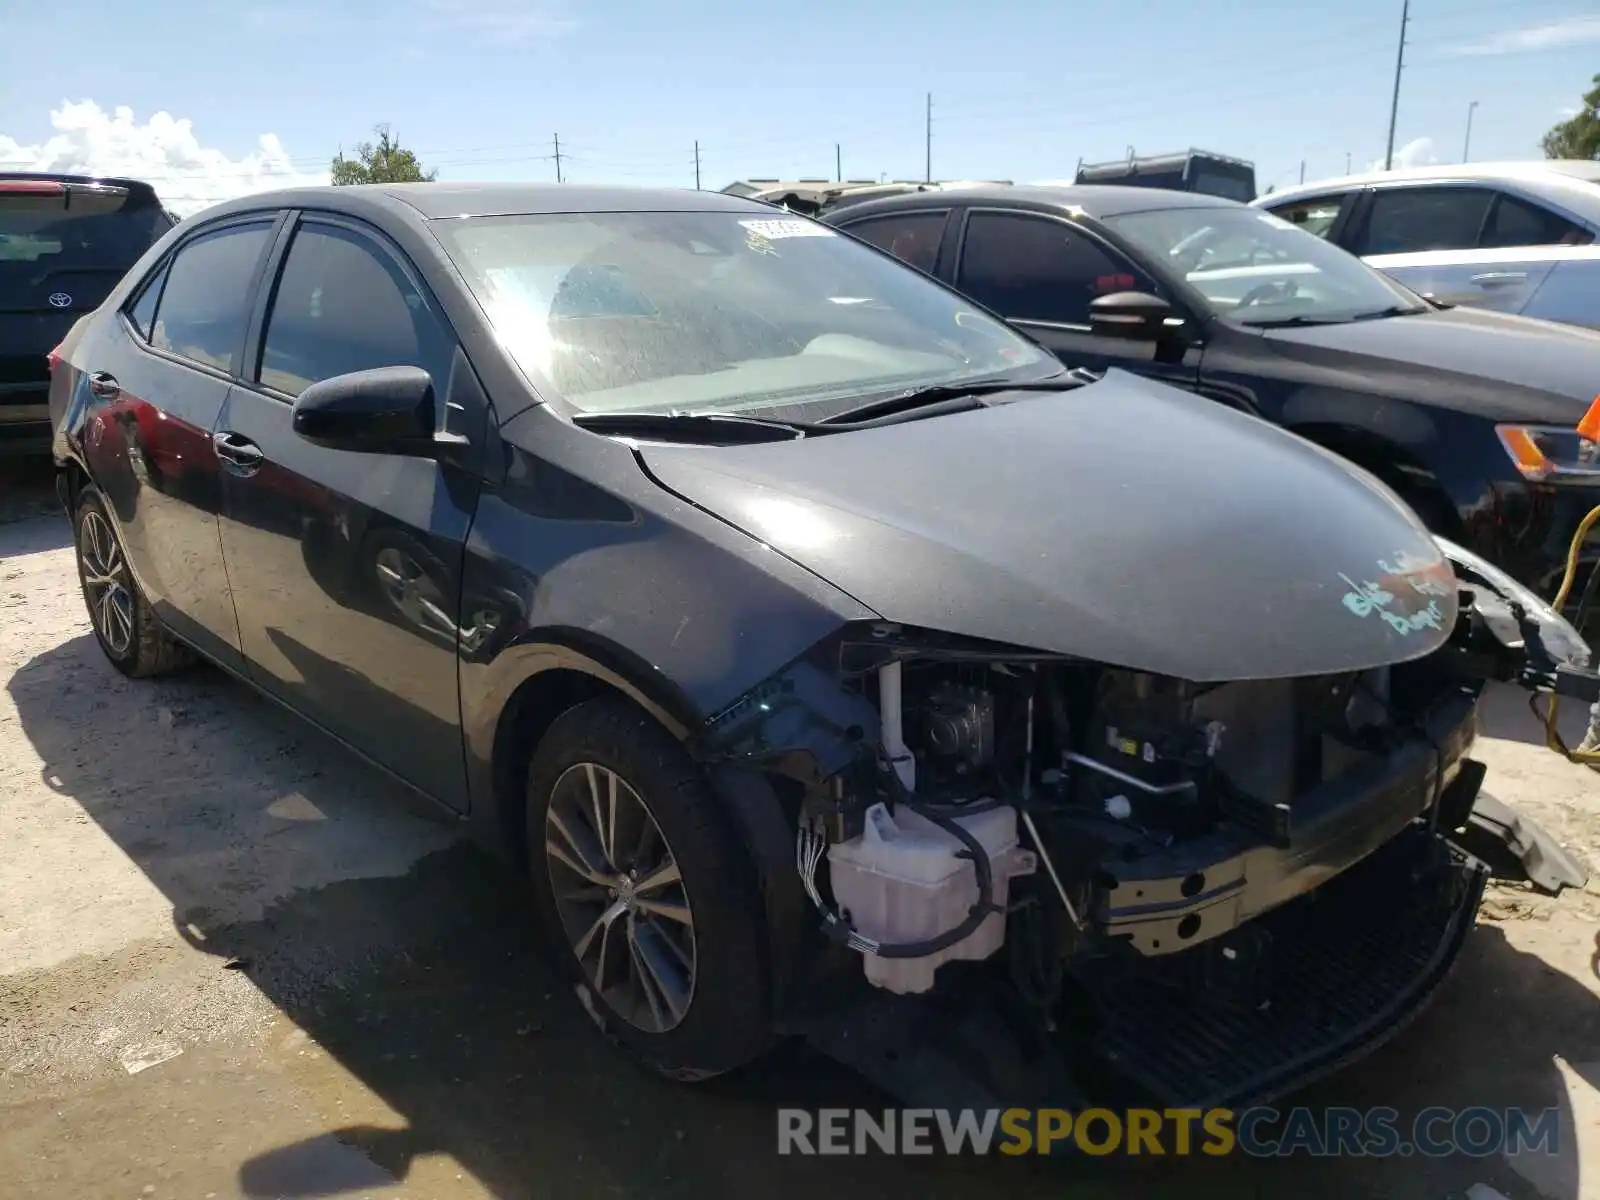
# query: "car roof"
x,y
1092,200
137,188
433,201
1559,171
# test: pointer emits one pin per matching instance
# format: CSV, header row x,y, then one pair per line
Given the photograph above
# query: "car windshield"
x,y
1258,269
724,311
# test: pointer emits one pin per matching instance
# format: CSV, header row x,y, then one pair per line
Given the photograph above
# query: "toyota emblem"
x,y
60,300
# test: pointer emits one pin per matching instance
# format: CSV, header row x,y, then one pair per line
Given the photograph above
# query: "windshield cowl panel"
x,y
719,312
1258,270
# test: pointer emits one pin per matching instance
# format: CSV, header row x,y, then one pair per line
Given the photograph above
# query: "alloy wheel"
x,y
620,896
107,585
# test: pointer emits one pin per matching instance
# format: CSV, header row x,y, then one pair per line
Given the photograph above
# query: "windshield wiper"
x,y
1394,310
737,427
695,427
1304,319
1294,322
941,398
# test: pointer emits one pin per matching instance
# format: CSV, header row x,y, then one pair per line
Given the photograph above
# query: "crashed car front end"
x,y
1040,878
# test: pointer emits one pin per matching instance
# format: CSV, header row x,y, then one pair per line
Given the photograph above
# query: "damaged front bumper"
x,y
1166,902
1303,991
1242,1020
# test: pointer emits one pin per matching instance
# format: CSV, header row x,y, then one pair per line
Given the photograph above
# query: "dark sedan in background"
x,y
1470,416
65,240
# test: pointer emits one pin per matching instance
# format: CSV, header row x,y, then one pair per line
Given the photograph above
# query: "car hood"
x,y
1490,364
1125,522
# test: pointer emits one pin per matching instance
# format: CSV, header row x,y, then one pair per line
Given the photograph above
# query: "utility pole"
x,y
558,160
697,164
1466,146
838,164
1399,64
927,162
1302,170
1347,162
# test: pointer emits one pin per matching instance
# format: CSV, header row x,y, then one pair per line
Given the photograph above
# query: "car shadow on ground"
x,y
36,536
422,981
27,488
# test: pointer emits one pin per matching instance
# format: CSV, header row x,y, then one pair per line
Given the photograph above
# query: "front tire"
x,y
125,625
647,892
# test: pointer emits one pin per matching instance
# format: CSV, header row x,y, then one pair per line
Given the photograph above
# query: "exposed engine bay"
x,y
1110,772
1139,861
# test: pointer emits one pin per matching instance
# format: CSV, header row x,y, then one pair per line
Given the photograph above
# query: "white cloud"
x,y
163,150
503,20
1552,35
1418,152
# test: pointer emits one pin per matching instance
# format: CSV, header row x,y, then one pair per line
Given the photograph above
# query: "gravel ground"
x,y
234,962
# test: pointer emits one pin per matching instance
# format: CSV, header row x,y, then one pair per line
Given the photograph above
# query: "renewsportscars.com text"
x,y
1216,1132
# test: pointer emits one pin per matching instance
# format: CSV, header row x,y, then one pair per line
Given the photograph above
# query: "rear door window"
x,y
911,237
1412,220
142,312
205,304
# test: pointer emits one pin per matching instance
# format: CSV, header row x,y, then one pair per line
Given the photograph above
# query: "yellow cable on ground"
x,y
1547,718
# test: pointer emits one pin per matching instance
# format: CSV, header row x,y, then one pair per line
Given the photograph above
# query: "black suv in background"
x,y
65,240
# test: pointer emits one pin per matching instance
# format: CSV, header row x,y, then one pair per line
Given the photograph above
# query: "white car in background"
x,y
1517,237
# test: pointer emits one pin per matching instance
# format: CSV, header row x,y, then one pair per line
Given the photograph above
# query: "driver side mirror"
x,y
1132,316
388,410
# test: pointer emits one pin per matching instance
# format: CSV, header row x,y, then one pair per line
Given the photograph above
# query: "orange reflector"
x,y
1589,427
1525,451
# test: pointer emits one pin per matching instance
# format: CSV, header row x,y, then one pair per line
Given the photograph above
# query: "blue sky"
x,y
1020,91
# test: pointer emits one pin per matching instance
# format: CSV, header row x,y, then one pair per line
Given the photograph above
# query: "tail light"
x,y
54,357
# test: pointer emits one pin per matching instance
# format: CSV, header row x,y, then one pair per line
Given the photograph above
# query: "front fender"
x,y
630,589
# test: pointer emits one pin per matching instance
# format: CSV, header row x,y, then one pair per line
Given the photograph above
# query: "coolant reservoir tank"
x,y
901,881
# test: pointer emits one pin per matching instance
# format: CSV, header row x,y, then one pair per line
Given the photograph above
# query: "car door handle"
x,y
104,385
1500,278
239,451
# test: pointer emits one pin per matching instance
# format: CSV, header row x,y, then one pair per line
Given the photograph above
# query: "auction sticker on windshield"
x,y
775,230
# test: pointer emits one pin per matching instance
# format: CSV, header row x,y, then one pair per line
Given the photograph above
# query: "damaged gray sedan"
x,y
836,664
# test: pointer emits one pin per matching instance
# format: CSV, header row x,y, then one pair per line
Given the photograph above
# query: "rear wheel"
x,y
640,879
124,624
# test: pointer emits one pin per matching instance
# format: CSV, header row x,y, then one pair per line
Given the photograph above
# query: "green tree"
x,y
1578,137
385,162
